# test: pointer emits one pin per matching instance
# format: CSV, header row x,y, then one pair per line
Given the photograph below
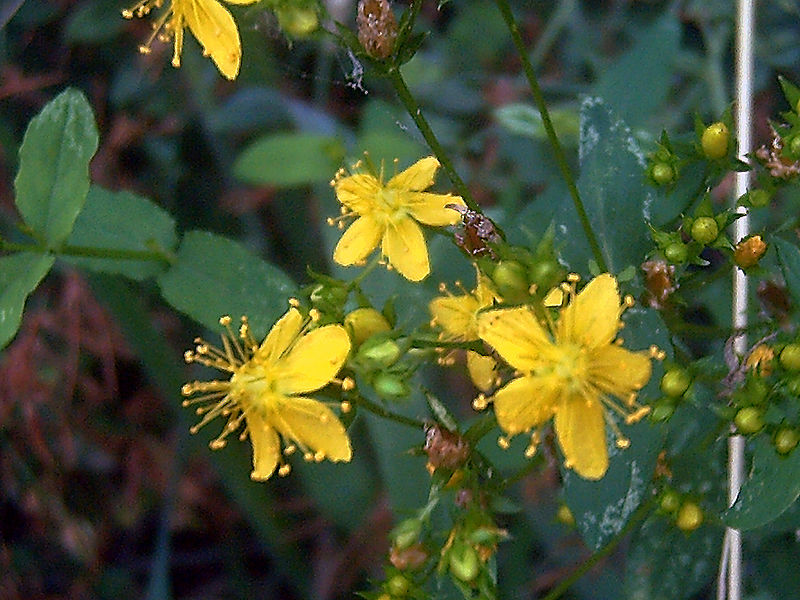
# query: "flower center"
x,y
389,202
253,382
570,365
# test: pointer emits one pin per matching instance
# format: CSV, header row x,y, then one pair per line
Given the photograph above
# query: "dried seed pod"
x,y
377,27
445,449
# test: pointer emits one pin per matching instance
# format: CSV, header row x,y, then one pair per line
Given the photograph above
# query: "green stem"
x,y
565,584
377,409
89,252
558,151
396,78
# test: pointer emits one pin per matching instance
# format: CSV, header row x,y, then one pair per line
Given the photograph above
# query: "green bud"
x,y
705,230
676,252
390,386
406,533
297,21
379,352
794,147
398,586
670,501
748,420
675,382
790,357
546,274
786,440
662,412
511,280
463,561
662,173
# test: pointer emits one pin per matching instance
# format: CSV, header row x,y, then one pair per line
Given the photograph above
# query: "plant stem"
x,y
558,151
565,584
396,78
387,414
89,252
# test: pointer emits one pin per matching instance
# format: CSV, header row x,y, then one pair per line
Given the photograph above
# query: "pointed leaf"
x,y
19,276
214,276
789,260
53,177
614,193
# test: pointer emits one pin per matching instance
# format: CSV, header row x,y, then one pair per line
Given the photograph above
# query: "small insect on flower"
x,y
209,22
569,370
387,215
265,392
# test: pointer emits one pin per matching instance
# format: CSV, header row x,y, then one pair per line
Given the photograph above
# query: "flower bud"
x,y
662,173
398,586
377,28
564,516
749,251
379,352
463,561
676,252
748,420
670,501
705,230
790,357
675,382
690,517
511,280
390,386
297,21
786,440
363,323
406,533
715,140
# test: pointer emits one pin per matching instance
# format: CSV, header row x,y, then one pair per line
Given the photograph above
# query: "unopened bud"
x,y
377,27
406,533
390,386
464,563
363,323
511,280
749,251
379,352
297,21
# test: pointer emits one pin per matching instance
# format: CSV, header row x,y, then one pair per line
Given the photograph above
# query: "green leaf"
x,y
289,159
638,83
53,177
614,193
214,276
122,221
789,260
602,508
664,563
790,91
772,486
19,276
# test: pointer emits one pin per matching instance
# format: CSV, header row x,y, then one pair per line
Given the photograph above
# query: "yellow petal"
x,y
516,335
482,370
592,318
456,314
313,361
280,337
404,246
312,424
617,371
525,402
430,208
215,29
358,192
417,177
358,241
581,432
266,446
241,2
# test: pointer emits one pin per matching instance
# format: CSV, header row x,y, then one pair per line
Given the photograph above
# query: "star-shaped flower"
x,y
570,370
267,387
209,22
386,214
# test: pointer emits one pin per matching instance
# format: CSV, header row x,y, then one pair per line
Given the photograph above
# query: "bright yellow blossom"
x,y
266,387
457,316
387,214
209,22
568,370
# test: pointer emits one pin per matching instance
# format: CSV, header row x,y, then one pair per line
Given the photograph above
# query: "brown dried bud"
x,y
445,449
411,558
377,27
749,251
660,282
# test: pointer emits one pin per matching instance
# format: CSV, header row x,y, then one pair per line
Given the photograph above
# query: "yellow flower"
x,y
208,20
387,214
266,387
568,370
457,316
